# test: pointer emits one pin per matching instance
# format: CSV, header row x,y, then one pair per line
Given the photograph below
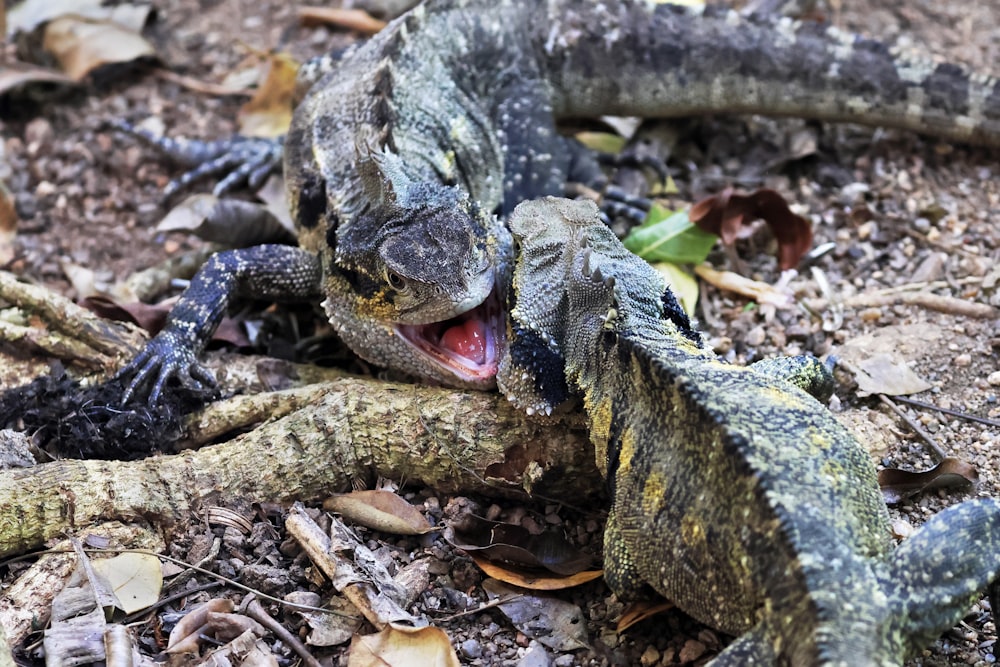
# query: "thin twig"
x,y
917,428
948,411
252,608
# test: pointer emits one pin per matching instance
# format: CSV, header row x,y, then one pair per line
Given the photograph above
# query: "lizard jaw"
x,y
466,347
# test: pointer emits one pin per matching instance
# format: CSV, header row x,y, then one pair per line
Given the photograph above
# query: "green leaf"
x,y
603,142
669,237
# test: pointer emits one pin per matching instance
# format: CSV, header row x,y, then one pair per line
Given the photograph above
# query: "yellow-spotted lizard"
x,y
735,493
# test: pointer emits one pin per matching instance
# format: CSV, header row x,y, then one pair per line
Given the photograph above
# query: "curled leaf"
x,y
508,543
726,213
381,510
81,45
185,637
639,611
349,18
532,579
269,111
234,222
897,485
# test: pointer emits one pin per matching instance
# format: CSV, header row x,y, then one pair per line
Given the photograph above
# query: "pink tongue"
x,y
467,339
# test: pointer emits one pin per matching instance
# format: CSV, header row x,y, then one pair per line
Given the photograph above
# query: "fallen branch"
x,y
452,441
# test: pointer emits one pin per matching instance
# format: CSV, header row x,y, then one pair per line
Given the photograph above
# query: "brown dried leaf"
x,y
152,317
897,485
726,213
887,374
81,45
400,646
184,638
531,578
639,611
352,19
269,111
135,579
381,510
512,544
234,222
8,223
14,74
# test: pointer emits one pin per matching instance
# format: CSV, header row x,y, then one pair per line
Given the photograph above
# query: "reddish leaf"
x,y
897,485
726,213
532,579
152,317
640,611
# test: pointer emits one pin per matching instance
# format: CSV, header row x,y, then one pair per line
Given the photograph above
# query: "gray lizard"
x,y
407,152
735,493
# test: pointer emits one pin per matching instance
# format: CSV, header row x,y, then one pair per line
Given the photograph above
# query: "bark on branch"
x,y
450,440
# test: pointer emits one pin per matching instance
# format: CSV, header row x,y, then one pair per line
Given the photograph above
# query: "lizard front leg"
x,y
281,273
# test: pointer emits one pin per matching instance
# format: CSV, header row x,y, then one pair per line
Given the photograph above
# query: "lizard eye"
x,y
396,281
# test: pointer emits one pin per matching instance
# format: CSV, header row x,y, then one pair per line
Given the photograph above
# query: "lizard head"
x,y
419,266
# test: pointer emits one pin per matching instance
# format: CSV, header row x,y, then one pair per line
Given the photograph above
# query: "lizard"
x,y
407,152
734,492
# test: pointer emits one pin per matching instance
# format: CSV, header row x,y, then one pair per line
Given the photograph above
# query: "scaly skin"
x,y
407,152
735,494
501,72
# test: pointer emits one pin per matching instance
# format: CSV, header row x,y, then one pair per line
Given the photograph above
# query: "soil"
x,y
900,210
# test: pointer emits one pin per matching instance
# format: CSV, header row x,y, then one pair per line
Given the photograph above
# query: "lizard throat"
x,y
467,347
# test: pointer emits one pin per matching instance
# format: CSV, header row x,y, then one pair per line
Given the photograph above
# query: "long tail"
x,y
641,58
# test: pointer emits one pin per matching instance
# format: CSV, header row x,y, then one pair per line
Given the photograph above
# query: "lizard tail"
x,y
682,61
937,574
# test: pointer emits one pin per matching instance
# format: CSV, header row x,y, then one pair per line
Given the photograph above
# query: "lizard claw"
x,y
239,160
164,357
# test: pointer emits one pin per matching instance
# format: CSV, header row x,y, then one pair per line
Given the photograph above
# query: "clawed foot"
x,y
616,203
165,356
239,160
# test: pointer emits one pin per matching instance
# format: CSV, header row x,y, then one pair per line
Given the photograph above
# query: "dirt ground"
x,y
900,209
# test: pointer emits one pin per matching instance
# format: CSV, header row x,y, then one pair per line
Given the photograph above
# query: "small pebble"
x,y
994,378
649,657
471,649
692,650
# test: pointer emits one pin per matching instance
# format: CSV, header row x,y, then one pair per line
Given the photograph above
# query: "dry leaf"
x,y
28,15
135,579
553,622
8,224
761,292
532,579
726,213
885,374
352,19
184,638
234,222
400,646
15,74
897,485
81,45
381,510
640,611
269,111
508,543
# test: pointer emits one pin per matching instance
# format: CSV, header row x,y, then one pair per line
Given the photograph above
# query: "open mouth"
x,y
467,346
